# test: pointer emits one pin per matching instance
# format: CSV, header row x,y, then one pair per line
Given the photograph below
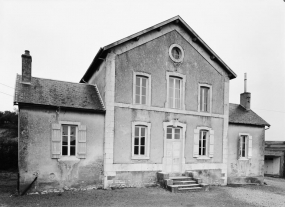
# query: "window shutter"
x,y
212,141
56,141
239,147
196,143
249,147
81,150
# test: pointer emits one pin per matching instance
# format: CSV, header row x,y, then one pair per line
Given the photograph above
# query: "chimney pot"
x,y
245,97
26,67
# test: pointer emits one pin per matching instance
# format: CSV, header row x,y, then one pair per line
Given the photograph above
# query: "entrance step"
x,y
180,183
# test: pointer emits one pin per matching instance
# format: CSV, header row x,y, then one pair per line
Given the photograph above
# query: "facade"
x,y
161,105
246,143
274,158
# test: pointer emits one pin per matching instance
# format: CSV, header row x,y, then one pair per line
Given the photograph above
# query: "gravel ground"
x,y
272,195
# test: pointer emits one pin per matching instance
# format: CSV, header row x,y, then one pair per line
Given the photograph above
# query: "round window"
x,y
176,53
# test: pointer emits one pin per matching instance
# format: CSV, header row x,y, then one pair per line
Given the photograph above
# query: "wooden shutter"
x,y
212,141
249,155
196,143
56,141
238,147
81,148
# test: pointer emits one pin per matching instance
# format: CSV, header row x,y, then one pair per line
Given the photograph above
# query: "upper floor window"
x,y
244,146
141,88
205,96
175,90
140,140
176,53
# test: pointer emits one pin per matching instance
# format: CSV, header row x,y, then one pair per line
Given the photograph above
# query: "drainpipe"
x,y
267,128
25,191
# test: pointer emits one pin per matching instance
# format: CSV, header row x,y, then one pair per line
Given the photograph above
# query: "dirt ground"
x,y
272,194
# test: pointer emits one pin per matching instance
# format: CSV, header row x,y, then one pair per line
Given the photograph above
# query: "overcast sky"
x,y
64,36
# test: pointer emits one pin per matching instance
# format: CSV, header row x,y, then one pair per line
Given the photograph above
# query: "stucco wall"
x,y
123,134
99,78
152,57
246,171
35,149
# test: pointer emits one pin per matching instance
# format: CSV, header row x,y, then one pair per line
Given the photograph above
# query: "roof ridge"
x,y
59,80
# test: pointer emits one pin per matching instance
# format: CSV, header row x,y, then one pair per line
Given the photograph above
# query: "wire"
x,y
6,94
7,86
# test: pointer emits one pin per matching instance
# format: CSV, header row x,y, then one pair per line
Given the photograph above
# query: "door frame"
x,y
174,123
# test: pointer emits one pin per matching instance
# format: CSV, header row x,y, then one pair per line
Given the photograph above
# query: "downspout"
x,y
267,128
24,192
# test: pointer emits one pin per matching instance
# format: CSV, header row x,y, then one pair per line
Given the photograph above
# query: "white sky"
x,y
64,36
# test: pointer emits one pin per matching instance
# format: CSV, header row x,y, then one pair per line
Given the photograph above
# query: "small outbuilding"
x,y
274,158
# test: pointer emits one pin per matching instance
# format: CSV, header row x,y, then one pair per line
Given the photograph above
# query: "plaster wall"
x,y
99,78
35,150
123,135
152,57
251,170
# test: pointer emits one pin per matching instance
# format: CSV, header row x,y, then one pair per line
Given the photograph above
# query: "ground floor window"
x,y
140,140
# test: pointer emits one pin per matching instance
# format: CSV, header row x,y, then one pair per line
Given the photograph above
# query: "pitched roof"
x,y
58,93
178,20
239,115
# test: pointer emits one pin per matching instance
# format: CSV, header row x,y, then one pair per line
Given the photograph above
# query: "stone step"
x,y
189,189
184,186
182,178
184,182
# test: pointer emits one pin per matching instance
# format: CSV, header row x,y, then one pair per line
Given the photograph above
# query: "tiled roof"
x,y
58,93
239,115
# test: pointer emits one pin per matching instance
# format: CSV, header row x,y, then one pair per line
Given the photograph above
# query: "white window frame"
x,y
147,141
248,146
77,124
148,90
210,141
182,89
201,100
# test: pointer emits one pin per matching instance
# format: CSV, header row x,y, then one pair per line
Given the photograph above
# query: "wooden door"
x,y
173,152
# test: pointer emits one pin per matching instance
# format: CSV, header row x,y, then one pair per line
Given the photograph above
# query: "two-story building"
x,y
156,101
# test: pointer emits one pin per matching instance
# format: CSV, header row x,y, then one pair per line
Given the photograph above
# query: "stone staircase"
x,y
181,183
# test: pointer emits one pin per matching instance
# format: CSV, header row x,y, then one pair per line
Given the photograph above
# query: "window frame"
x,y
148,85
77,124
201,145
68,140
203,85
247,146
210,143
179,60
182,89
147,125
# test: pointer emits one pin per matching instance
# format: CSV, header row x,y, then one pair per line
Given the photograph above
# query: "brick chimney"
x,y
26,67
245,97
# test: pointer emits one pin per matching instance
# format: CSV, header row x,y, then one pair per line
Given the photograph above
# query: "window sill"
x,y
243,158
140,158
68,158
203,158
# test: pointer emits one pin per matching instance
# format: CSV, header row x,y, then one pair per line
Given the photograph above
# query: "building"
x,y
246,143
156,101
274,158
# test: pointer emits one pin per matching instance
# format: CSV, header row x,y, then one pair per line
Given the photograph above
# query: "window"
x,y
244,146
140,140
205,97
68,139
175,90
173,132
176,53
203,143
141,88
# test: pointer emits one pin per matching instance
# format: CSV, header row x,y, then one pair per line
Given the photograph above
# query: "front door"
x,y
173,151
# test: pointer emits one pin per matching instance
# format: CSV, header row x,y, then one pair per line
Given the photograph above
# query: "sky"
x,y
64,36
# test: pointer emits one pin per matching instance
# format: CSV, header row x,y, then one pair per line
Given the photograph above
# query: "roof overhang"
x,y
178,20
